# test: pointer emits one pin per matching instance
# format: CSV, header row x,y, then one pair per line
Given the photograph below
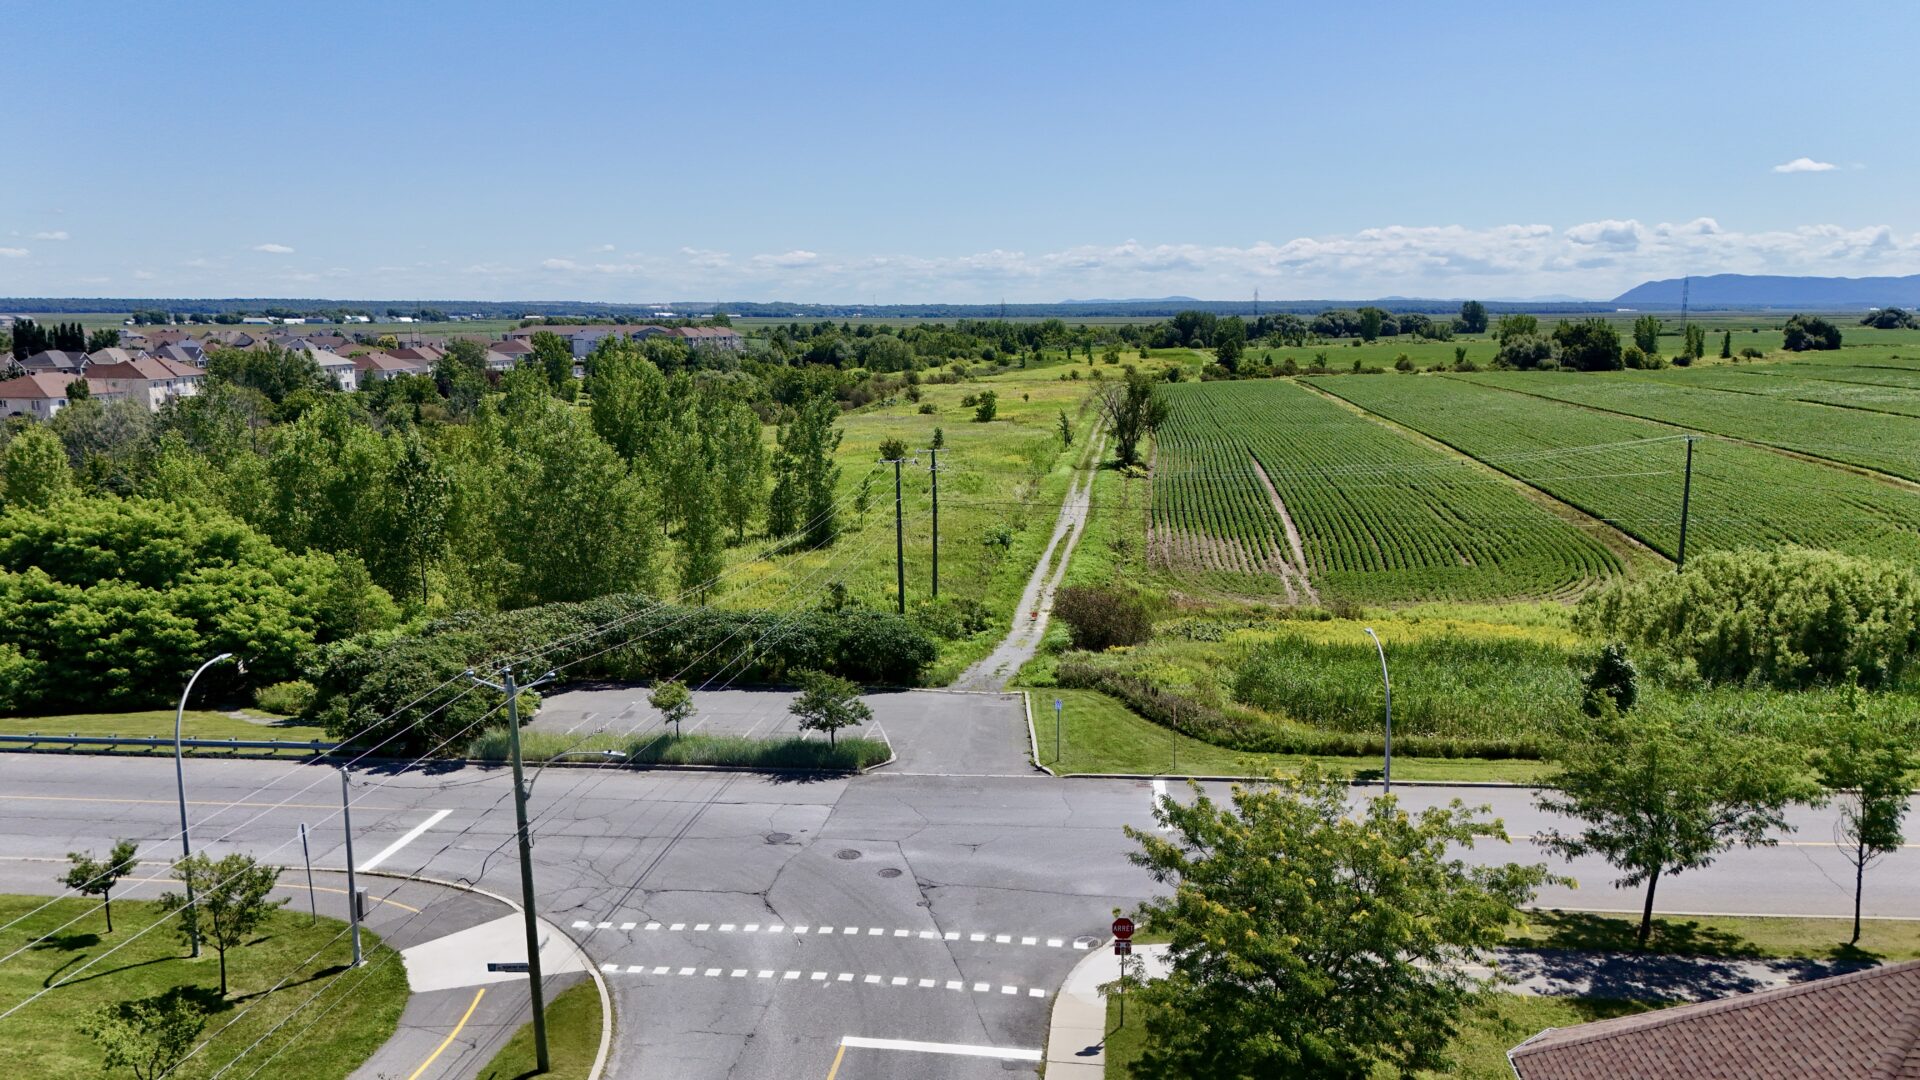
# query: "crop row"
x,y
1873,440
1379,515
1628,472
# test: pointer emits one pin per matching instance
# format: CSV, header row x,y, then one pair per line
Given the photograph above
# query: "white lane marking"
x,y
635,969
899,980
775,928
871,979
819,976
791,975
713,973
980,988
875,931
406,838
849,929
799,929
653,926
610,967
626,926
926,984
1009,1053
1029,941
953,984
1002,939
703,926
976,937
606,926
737,973
951,936
902,933
825,930
582,925
1009,989
1159,799
855,931
765,975
686,971
1054,942
726,928
846,976
750,928
660,971
1036,993
678,926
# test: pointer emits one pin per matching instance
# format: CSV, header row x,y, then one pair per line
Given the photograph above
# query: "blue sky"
x,y
904,152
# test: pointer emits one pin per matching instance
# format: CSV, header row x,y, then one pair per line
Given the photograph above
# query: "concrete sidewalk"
x,y
1077,1034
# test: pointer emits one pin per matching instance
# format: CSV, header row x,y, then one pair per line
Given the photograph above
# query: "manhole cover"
x,y
890,872
778,837
846,853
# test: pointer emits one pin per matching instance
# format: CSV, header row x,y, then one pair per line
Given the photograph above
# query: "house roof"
x,y
112,356
388,362
709,332
1860,1026
39,384
144,368
56,360
179,354
512,347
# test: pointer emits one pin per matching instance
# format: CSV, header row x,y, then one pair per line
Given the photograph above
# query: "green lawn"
x,y
158,723
1479,1052
361,1007
573,1040
1724,935
848,753
1101,735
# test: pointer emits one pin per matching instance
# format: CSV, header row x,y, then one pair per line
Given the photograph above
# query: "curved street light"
x,y
1386,774
180,771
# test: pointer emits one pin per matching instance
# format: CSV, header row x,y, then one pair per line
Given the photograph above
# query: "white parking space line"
x,y
1007,1053
408,837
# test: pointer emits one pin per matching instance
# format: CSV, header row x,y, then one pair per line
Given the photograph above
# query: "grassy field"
x,y
1001,484
158,723
361,1007
1628,471
1883,940
1479,1051
1101,735
573,1040
1379,516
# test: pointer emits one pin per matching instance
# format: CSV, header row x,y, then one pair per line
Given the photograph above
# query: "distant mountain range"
x,y
1775,291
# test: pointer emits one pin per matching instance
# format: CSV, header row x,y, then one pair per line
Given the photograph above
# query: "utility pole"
x,y
1686,498
507,686
899,538
933,472
353,883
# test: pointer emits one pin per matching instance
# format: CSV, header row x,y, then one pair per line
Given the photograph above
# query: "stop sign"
x,y
1122,928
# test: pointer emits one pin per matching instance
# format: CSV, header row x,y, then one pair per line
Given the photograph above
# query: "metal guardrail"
x,y
314,746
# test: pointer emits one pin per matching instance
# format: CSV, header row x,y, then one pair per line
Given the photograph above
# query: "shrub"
x,y
1099,617
986,407
291,698
1613,679
1805,332
1788,618
927,408
627,637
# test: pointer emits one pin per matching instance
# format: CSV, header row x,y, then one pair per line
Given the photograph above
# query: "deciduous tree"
x,y
1310,937
147,1036
674,701
229,901
1864,768
89,876
828,703
1658,796
1132,409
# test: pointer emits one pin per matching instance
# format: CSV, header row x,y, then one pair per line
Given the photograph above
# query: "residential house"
x,y
343,371
68,363
1860,1026
187,352
424,354
378,366
149,380
709,337
42,394
115,355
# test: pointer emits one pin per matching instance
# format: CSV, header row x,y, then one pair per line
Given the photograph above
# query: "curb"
x,y
593,969
1257,779
1033,741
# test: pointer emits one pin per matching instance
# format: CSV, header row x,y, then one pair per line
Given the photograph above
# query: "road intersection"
x,y
748,925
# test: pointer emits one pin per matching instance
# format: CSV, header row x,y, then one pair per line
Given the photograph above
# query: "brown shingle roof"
x,y
46,385
1861,1026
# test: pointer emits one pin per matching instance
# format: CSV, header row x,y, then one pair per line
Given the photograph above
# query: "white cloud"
x,y
143,275
1805,164
273,249
605,247
54,234
559,264
786,259
12,253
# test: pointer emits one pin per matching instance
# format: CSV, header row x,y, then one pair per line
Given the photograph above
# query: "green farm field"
x,y
1376,515
1628,471
1874,440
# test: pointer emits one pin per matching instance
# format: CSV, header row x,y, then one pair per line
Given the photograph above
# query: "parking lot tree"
x,y
1311,937
674,701
828,703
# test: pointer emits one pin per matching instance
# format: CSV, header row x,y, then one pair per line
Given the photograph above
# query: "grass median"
x,y
848,754
1099,734
1882,940
66,947
158,724
573,1040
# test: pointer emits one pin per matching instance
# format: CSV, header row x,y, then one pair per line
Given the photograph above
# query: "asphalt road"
x,y
940,911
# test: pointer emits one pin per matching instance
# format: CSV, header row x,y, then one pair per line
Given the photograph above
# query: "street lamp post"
x,y
1386,774
180,775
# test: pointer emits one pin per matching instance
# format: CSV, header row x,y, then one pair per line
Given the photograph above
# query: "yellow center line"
x,y
448,1041
831,1073
191,802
